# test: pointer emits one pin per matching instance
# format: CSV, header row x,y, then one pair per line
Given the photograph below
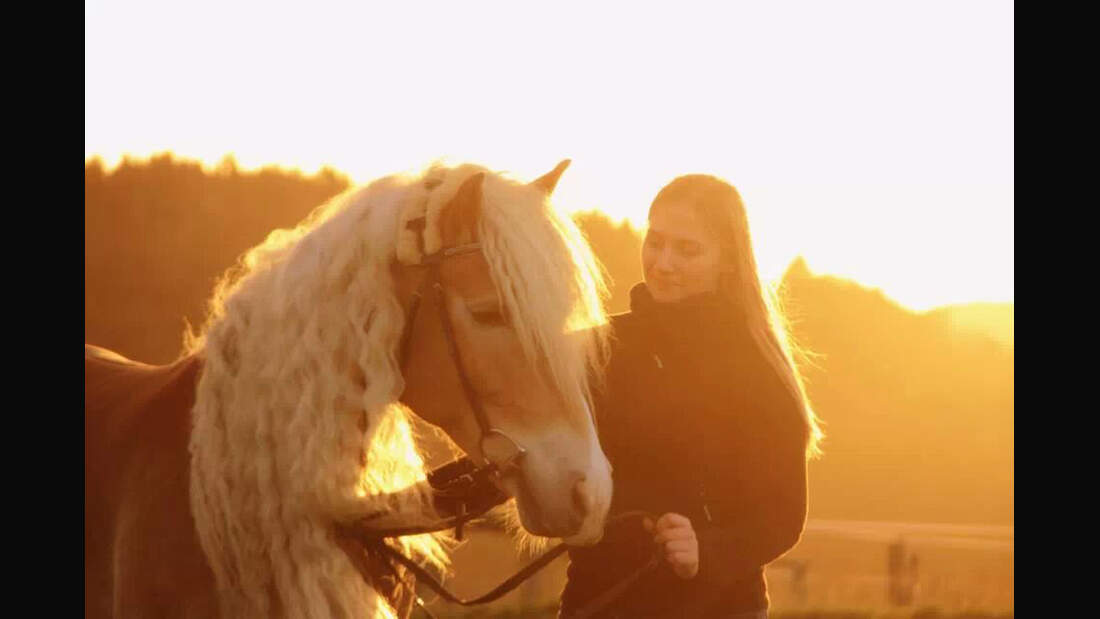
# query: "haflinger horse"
x,y
214,485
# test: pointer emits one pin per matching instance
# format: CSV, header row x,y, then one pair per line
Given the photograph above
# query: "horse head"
x,y
512,288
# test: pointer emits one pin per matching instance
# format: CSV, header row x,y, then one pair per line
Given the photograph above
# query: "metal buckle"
x,y
501,451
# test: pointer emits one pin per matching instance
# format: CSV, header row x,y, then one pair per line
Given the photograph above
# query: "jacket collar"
x,y
708,306
703,320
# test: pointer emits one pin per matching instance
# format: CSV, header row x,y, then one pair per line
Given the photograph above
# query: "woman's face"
x,y
680,257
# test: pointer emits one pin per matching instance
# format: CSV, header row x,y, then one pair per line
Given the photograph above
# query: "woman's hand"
x,y
676,537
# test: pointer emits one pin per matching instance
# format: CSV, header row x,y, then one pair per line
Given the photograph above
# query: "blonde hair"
x,y
722,211
296,420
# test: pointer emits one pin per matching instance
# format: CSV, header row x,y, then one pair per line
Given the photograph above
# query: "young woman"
x,y
705,422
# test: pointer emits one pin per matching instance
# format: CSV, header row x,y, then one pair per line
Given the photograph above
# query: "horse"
x,y
213,485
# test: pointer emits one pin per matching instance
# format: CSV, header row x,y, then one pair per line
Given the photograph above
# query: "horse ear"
x,y
463,211
548,181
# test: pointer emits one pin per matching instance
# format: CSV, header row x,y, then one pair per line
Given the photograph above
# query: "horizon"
x,y
772,275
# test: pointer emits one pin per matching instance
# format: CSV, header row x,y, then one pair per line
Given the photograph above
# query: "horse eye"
x,y
490,318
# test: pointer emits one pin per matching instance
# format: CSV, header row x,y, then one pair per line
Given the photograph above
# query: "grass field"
x,y
957,572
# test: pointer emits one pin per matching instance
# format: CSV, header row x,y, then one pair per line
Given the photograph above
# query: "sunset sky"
x,y
874,138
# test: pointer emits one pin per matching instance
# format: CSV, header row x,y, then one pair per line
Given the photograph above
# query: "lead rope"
x,y
603,600
375,541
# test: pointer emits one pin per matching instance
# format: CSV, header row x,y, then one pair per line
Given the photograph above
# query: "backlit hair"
x,y
718,204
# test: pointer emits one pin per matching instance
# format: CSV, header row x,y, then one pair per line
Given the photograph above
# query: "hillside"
x,y
919,415
995,320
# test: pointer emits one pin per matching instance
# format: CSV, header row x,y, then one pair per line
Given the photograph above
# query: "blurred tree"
x,y
158,234
619,249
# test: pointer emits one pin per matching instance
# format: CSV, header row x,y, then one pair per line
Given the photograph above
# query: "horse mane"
x,y
296,421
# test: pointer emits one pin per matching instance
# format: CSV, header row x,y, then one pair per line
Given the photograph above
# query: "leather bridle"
x,y
454,483
502,453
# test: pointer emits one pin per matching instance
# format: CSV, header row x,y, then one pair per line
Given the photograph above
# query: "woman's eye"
x,y
690,250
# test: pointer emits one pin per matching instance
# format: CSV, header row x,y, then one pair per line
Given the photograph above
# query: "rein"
x,y
375,542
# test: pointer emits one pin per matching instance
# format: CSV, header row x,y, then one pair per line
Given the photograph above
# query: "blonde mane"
x,y
296,419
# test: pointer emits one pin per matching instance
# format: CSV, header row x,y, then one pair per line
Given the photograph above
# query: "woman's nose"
x,y
664,260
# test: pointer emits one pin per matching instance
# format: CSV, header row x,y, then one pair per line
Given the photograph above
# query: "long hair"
x,y
719,206
296,420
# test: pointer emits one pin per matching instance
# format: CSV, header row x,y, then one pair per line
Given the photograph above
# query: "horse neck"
x,y
127,403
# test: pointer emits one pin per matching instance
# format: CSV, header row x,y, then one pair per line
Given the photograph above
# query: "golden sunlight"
x,y
873,146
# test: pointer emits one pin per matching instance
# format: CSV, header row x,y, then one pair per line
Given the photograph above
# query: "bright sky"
x,y
874,138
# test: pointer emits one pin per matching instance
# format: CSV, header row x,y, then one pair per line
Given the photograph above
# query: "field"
x,y
840,570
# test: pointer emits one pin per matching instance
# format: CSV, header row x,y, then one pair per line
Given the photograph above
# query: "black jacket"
x,y
694,421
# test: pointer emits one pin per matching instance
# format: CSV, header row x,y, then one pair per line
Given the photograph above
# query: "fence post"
x,y
901,569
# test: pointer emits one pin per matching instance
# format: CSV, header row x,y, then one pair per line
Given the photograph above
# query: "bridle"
x,y
453,484
502,453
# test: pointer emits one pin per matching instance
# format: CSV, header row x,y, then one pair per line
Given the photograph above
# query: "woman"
x,y
705,421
